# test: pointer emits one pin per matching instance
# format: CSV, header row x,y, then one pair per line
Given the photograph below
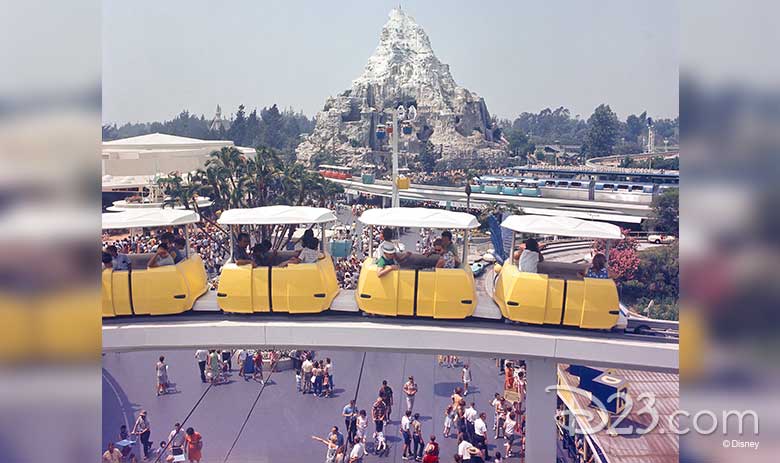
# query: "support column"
x,y
540,430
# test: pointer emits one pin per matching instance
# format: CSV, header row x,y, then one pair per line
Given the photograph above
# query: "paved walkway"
x,y
282,422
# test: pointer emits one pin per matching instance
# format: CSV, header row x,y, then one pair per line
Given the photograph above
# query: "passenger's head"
x,y
111,249
446,236
438,246
388,249
599,261
179,242
388,234
313,243
243,239
107,260
532,245
167,237
162,249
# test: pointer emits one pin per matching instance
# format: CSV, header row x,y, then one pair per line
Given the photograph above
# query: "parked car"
x,y
660,238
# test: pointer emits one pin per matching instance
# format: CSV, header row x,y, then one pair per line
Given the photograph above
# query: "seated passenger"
x,y
240,256
107,260
388,235
446,258
387,261
309,254
447,245
168,238
530,257
161,257
261,254
180,249
598,268
119,261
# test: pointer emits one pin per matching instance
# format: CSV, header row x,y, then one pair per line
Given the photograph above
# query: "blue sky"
x,y
162,57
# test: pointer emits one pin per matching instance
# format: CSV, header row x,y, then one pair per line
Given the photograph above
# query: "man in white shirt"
x,y
463,448
200,356
470,414
410,389
176,438
480,432
307,367
358,451
406,433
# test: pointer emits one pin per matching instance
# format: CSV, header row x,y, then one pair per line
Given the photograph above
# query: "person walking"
x,y
406,434
386,393
143,429
378,411
161,370
410,390
307,366
332,448
201,356
417,437
350,414
431,452
358,452
176,439
258,362
227,356
194,445
465,377
214,367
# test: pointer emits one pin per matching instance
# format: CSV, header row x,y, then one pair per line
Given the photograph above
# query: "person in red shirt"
x,y
431,452
194,445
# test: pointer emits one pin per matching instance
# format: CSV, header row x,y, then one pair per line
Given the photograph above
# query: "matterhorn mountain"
x,y
404,71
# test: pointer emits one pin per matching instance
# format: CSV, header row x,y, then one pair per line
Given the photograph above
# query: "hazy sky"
x,y
160,57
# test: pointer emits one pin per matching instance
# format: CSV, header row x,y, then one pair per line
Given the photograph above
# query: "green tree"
x,y
603,131
238,128
655,287
665,215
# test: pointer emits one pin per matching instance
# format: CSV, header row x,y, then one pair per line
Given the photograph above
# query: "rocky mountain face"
x,y
404,71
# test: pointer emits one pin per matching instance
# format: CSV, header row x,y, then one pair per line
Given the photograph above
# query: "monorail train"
x,y
558,295
584,190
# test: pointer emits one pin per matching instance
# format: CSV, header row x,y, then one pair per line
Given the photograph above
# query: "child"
x,y
497,458
309,254
380,443
449,414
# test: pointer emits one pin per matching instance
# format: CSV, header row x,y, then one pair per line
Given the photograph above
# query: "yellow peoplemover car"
x,y
163,290
557,294
433,292
296,288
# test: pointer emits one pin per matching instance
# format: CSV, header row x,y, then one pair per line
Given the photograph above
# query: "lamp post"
x,y
468,197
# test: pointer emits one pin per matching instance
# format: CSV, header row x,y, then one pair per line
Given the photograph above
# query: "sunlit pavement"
x,y
280,426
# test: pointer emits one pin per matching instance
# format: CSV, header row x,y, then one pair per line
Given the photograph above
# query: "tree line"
x,y
602,134
271,128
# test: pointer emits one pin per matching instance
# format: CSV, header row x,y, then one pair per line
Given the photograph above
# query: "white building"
x,y
157,153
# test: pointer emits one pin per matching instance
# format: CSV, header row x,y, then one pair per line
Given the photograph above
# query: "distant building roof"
x,y
158,139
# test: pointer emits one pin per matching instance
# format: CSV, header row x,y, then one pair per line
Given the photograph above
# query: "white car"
x,y
660,239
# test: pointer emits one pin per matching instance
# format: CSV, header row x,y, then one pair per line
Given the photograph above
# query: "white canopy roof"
x,y
149,218
418,217
562,226
272,215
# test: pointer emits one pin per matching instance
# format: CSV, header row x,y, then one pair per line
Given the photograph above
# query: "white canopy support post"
x,y
511,256
465,259
187,241
370,241
322,237
232,241
606,250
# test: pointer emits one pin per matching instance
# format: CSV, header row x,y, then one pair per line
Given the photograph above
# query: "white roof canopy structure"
x,y
273,215
562,226
418,217
143,218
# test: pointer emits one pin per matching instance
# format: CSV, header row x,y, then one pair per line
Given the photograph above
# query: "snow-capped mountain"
x,y
403,70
